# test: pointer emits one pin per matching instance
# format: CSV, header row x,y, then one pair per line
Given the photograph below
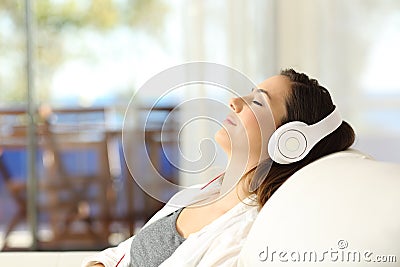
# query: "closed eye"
x,y
257,103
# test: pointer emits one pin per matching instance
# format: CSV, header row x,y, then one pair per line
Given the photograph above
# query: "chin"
x,y
223,140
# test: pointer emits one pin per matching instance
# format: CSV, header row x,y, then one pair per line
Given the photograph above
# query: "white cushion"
x,y
342,205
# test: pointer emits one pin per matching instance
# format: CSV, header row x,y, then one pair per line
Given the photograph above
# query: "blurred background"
x,y
68,69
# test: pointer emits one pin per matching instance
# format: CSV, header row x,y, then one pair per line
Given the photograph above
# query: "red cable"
x,y
120,261
212,181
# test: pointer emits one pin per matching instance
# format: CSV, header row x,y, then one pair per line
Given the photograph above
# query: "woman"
x,y
212,234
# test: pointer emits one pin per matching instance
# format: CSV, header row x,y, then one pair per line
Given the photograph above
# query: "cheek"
x,y
252,128
259,129
278,114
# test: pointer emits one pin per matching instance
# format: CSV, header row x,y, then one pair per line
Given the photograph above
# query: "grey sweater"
x,y
156,242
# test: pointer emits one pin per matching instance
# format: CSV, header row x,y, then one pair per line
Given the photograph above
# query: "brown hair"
x,y
308,102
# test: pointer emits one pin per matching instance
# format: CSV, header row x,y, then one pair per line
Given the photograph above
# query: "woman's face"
x,y
254,118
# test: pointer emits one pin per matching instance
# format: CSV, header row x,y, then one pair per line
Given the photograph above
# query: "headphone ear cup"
x,y
288,143
294,140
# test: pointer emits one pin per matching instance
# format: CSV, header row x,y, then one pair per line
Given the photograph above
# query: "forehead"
x,y
278,88
276,85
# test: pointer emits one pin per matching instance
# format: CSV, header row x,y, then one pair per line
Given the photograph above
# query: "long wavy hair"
x,y
309,102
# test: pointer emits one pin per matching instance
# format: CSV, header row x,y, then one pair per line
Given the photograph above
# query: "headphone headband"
x,y
326,126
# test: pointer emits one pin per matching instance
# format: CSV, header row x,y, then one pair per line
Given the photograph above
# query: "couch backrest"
x,y
343,208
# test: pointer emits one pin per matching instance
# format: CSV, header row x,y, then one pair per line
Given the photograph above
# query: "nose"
x,y
236,104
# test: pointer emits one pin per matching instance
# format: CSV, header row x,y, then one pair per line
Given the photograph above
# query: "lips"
x,y
229,120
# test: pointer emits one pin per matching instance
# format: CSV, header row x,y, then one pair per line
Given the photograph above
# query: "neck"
x,y
233,186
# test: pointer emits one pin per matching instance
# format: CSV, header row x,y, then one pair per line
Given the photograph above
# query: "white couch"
x,y
343,210
343,204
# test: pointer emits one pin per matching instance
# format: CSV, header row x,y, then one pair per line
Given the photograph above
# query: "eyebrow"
x,y
261,91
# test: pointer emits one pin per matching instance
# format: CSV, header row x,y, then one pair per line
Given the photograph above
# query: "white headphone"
x,y
292,141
